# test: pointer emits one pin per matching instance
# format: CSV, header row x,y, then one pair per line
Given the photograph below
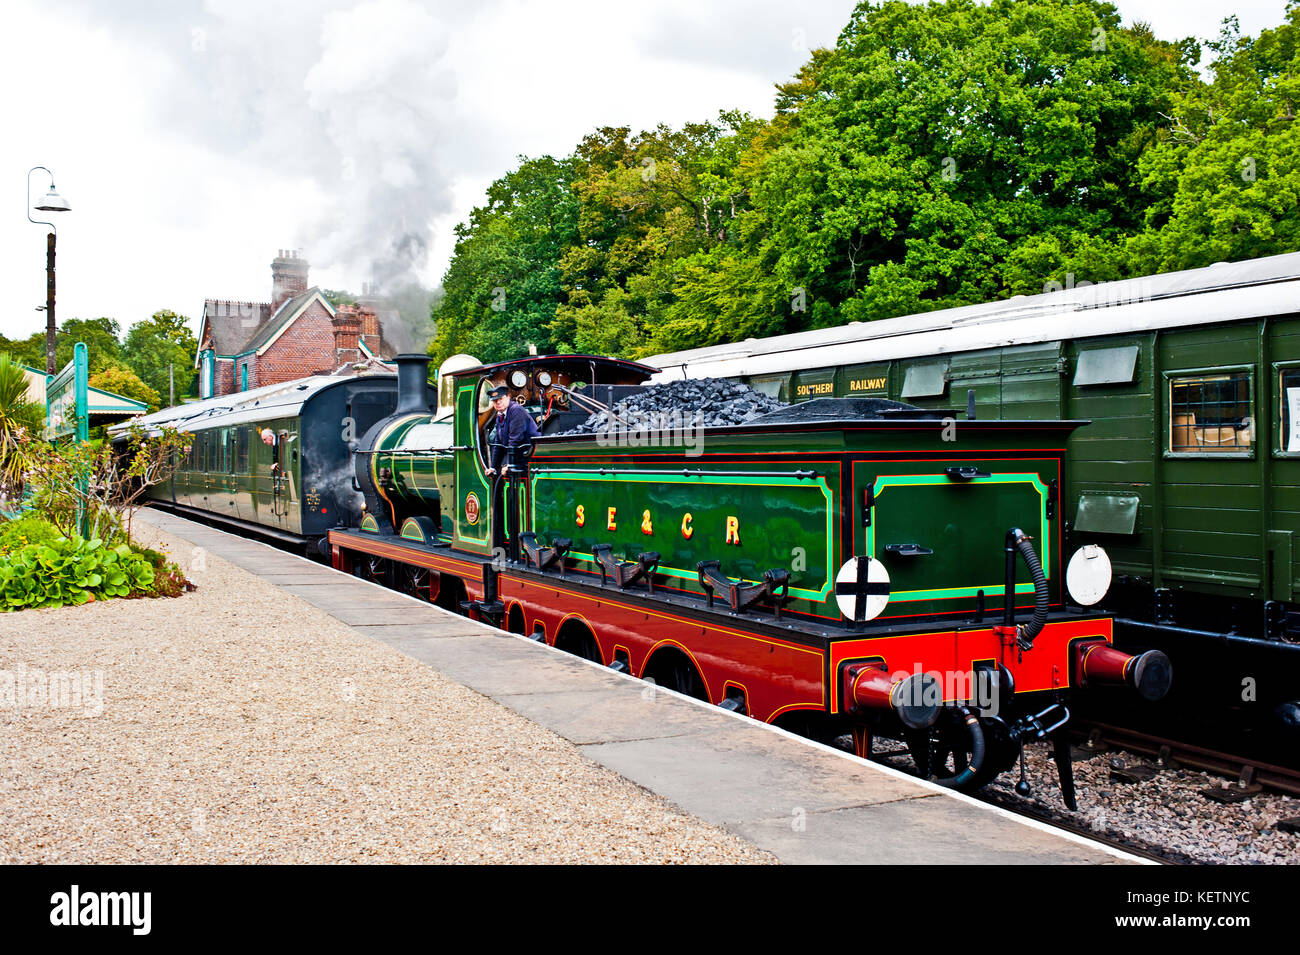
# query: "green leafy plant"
x,y
28,529
71,571
92,490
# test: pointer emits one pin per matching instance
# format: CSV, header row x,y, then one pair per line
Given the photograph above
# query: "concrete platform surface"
x,y
803,802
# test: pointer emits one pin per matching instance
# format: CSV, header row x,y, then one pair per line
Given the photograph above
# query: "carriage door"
x,y
279,479
1211,461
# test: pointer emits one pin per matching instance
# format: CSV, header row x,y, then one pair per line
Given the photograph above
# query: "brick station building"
x,y
245,345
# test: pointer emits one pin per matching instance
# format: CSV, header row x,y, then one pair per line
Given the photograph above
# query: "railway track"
x,y
901,760
1057,820
1250,775
1156,798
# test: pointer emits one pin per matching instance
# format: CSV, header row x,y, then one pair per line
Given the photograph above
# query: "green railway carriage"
x,y
277,460
1188,475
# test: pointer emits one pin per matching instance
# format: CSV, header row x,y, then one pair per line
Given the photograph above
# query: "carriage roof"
x,y
1218,293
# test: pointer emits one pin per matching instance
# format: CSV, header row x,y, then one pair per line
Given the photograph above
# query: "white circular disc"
x,y
1088,576
862,590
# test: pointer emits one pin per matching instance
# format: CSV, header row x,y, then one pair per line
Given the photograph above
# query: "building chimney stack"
x,y
347,329
288,277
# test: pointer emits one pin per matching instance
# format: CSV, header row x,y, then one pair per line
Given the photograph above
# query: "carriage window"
x,y
925,381
1288,393
1210,413
777,387
1106,366
241,450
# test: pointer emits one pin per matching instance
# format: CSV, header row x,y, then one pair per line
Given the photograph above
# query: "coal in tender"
x,y
693,403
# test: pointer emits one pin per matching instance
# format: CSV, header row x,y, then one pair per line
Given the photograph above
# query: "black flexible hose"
x,y
1042,598
977,752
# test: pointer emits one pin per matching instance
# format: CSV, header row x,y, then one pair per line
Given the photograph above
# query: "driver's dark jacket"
x,y
514,428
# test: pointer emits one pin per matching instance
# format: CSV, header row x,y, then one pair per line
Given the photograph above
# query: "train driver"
x,y
515,428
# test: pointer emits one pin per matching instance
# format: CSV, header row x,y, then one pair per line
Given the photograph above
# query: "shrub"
x,y
71,571
21,422
94,489
169,581
28,529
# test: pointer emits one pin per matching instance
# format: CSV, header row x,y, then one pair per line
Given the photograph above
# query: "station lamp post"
x,y
50,202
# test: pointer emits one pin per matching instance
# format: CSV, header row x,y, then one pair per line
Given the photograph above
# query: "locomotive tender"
x,y
1189,474
842,568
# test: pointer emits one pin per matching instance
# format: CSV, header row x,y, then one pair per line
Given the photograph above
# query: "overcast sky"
x,y
196,139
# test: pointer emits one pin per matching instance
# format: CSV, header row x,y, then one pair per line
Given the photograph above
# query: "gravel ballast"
x,y
1167,811
240,724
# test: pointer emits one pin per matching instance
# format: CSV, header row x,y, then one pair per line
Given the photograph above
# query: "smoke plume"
x,y
353,98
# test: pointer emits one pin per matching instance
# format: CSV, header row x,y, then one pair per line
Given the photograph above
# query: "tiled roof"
x,y
233,323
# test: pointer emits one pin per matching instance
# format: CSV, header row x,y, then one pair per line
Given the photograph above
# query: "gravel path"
x,y
239,724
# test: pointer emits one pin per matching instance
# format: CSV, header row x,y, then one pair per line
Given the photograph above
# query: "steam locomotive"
x,y
850,569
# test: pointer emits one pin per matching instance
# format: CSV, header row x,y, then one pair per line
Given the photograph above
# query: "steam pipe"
x,y
978,751
1018,541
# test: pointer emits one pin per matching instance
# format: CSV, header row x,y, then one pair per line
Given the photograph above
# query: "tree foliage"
x,y
158,348
1223,181
938,155
21,421
124,382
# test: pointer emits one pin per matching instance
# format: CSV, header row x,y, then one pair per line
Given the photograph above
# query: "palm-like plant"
x,y
21,422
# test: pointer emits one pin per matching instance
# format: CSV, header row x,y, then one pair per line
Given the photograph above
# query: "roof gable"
x,y
285,315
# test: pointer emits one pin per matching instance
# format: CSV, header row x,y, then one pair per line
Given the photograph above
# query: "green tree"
x,y
159,347
651,203
936,139
99,334
103,349
1223,183
124,382
502,287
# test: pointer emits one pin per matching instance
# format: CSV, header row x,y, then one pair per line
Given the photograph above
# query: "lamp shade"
x,y
53,202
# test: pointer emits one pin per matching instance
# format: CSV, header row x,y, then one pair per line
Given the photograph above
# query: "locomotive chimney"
x,y
412,384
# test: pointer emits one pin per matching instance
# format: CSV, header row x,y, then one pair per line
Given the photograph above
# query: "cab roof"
x,y
592,368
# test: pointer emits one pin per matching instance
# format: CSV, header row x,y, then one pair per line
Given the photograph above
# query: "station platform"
x,y
800,801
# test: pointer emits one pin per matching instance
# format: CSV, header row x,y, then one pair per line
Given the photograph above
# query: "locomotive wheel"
x,y
688,682
370,567
415,581
680,674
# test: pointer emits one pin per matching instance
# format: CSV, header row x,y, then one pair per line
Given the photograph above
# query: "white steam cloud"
x,y
354,97
383,104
